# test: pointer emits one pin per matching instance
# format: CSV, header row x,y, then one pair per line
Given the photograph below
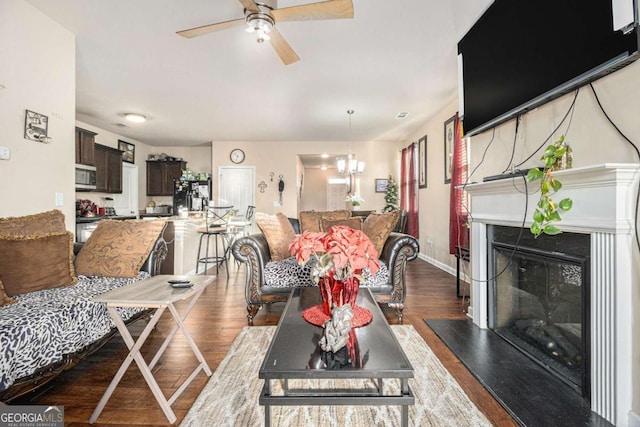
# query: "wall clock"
x,y
237,155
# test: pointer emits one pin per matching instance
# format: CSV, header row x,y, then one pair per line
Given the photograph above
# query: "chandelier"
x,y
350,165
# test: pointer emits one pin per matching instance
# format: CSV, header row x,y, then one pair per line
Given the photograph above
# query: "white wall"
x,y
433,203
37,70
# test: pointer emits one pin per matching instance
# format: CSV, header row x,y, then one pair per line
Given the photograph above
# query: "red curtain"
x,y
409,189
458,229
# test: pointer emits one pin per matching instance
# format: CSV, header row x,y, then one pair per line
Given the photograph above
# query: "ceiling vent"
x,y
402,115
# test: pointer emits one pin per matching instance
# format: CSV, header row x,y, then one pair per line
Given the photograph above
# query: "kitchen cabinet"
x,y
85,147
108,162
160,176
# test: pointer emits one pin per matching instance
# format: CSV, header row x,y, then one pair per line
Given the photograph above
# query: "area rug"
x,y
230,398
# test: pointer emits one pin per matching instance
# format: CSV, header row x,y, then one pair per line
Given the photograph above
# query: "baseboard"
x,y
634,419
444,267
436,263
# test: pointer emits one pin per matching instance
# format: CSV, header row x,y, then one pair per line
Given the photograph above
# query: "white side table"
x,y
155,292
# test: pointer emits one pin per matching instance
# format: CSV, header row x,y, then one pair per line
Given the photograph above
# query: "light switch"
x,y
59,199
5,153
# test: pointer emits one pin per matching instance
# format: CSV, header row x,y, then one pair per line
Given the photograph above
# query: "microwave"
x,y
85,177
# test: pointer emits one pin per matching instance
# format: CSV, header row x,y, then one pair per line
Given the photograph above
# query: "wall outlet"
x,y
5,153
276,203
59,200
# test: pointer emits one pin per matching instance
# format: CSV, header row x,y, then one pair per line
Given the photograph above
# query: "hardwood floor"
x,y
214,322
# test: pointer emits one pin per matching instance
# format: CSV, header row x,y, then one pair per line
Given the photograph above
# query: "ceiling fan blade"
x,y
206,29
249,5
332,9
284,51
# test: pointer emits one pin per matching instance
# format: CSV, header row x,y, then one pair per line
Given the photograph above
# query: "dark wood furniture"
x,y
160,176
295,342
85,140
108,162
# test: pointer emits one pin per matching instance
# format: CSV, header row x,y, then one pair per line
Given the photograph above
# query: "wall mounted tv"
x,y
520,54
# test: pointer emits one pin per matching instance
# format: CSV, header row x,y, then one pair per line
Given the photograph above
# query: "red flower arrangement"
x,y
341,254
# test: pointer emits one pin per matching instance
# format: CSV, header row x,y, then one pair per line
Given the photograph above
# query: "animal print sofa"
x,y
272,272
48,322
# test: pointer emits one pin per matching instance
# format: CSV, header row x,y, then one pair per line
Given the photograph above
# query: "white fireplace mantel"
x,y
604,207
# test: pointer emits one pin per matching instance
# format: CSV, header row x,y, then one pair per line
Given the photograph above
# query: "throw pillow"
x,y
118,248
312,220
33,263
378,226
354,222
33,225
4,298
279,234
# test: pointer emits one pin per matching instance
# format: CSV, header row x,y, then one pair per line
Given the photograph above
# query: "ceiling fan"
x,y
261,17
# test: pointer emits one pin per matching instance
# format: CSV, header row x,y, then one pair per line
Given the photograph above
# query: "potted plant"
x,y
547,213
355,201
391,196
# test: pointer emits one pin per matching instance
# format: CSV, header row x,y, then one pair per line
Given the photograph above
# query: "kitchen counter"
x,y
85,219
155,215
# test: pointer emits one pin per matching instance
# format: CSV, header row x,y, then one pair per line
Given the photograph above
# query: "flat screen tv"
x,y
521,54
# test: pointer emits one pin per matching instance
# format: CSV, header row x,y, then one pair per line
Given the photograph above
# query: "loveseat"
x,y
270,279
48,322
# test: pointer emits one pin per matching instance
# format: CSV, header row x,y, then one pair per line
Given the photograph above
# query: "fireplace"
x,y
604,213
539,299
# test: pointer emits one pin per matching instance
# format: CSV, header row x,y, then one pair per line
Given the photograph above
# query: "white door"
x,y
336,193
127,202
236,186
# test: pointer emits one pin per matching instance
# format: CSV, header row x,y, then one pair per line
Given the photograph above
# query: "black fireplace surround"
x,y
539,299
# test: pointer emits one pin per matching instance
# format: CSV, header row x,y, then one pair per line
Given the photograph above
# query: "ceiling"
x,y
394,56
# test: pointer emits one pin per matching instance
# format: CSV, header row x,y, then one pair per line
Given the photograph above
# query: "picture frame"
x,y
449,142
422,162
128,151
381,185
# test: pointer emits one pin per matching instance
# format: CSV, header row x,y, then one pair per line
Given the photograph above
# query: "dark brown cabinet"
x,y
108,162
160,176
85,147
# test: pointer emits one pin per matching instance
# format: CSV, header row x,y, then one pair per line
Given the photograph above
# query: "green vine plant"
x,y
547,213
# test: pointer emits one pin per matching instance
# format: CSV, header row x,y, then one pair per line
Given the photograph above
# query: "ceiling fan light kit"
x,y
261,17
260,22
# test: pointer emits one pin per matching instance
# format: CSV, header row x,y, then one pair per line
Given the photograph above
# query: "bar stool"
x,y
218,259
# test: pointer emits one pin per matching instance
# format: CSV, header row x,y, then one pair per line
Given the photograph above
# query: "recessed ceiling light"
x,y
402,115
135,117
323,167
325,156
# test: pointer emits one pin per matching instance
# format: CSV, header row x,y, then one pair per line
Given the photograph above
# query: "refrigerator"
x,y
191,194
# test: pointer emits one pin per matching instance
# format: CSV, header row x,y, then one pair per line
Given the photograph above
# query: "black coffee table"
x,y
294,354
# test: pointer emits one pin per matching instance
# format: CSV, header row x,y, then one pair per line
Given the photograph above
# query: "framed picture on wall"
x,y
449,138
422,162
128,151
381,185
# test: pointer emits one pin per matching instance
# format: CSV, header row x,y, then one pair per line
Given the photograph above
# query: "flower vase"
x,y
338,292
355,207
